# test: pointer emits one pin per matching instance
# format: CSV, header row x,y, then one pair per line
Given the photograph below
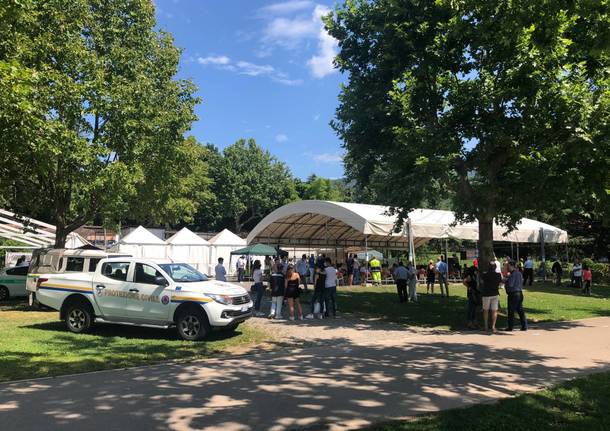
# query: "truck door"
x,y
148,304
111,289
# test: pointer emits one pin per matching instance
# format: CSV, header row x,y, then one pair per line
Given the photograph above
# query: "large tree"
x,y
320,188
502,104
248,183
91,117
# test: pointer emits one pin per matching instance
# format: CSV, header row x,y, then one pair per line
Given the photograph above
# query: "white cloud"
x,y
285,31
286,7
316,117
281,138
321,64
251,69
247,68
217,60
328,158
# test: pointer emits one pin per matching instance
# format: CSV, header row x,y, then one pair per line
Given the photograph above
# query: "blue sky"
x,y
264,71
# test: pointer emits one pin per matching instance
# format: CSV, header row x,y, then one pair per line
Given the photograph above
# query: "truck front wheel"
x,y
78,318
192,324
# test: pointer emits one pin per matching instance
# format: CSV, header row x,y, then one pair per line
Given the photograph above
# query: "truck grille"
x,y
239,300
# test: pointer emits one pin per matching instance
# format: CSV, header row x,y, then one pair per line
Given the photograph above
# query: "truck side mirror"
x,y
161,281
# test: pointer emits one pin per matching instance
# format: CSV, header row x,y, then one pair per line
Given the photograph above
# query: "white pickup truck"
x,y
142,292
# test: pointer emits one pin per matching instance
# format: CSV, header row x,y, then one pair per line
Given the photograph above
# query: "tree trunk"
x,y
486,249
61,234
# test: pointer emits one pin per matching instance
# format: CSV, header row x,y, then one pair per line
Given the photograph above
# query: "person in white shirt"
x,y
302,268
412,282
576,273
330,288
220,273
241,269
528,271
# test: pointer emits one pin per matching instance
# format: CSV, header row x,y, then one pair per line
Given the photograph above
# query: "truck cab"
x,y
143,292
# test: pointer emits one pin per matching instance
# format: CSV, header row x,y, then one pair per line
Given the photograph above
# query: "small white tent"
x,y
187,247
141,243
222,246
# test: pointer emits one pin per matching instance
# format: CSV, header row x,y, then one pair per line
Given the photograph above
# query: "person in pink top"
x,y
587,278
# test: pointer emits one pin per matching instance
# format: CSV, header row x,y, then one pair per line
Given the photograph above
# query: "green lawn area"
x,y
544,302
582,404
36,344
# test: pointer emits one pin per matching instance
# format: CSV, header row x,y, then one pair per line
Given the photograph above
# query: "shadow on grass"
x,y
598,291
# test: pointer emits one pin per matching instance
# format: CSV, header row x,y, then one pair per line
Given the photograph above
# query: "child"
x,y
587,277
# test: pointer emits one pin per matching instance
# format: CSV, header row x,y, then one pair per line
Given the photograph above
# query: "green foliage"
x,y
319,188
91,118
248,183
503,105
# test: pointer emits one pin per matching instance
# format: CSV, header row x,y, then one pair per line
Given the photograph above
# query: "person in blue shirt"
x,y
514,291
441,269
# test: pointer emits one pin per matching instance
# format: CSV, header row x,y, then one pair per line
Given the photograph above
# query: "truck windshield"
x,y
183,273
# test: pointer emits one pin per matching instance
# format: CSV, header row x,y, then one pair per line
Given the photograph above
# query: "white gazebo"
x,y
141,243
221,246
187,247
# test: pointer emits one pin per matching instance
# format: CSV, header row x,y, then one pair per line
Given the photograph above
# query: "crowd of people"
x,y
288,279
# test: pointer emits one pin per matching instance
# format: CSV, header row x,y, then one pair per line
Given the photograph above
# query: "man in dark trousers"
x,y
514,290
558,271
401,275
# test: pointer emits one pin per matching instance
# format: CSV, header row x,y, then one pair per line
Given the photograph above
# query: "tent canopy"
x,y
226,237
256,250
141,236
312,222
186,237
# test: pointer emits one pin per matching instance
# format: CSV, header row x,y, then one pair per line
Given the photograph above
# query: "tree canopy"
x,y
91,117
504,105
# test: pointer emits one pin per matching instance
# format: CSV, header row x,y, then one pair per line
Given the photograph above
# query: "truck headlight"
x,y
222,299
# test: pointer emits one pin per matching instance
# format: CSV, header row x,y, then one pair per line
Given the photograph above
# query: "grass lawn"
x,y
36,344
544,302
581,404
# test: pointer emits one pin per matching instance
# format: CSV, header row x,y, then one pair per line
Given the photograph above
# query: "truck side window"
x,y
75,264
146,274
116,270
93,261
20,270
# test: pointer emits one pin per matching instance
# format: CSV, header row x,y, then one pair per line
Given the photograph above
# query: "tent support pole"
x,y
517,252
512,253
447,261
542,254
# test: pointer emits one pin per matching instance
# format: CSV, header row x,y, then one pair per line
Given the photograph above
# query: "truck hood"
x,y
212,286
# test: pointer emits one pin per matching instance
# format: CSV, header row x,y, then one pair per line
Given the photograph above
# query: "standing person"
x,y
528,271
276,283
259,287
356,270
514,291
350,269
268,264
441,269
375,265
312,268
318,295
412,282
302,268
330,288
587,277
292,292
557,270
474,296
577,273
430,275
491,296
220,273
364,274
401,276
241,269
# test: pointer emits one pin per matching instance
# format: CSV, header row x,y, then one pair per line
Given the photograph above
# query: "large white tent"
x,y
187,247
341,224
141,243
221,246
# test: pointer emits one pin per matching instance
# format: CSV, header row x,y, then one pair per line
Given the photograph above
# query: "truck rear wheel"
x,y
78,318
4,295
192,324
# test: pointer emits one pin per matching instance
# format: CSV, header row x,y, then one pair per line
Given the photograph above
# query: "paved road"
x,y
349,374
